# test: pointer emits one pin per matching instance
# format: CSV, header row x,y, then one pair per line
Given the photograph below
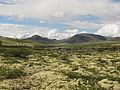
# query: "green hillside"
x,y
27,65
16,42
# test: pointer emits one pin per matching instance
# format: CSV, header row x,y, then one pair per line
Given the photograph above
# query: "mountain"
x,y
85,37
115,39
79,38
38,38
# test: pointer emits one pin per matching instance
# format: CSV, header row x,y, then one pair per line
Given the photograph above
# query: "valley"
x,y
29,65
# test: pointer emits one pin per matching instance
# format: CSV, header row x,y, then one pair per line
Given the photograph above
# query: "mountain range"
x,y
78,38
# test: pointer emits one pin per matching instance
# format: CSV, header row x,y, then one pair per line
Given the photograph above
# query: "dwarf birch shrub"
x,y
16,52
6,73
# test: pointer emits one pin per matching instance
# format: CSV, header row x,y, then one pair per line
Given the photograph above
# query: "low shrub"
x,y
11,73
15,52
0,42
71,74
10,60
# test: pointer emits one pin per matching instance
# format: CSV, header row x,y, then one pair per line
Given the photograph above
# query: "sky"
x,y
59,19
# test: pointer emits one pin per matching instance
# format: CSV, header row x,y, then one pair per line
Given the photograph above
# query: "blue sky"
x,y
7,2
49,24
59,18
88,17
32,22
116,0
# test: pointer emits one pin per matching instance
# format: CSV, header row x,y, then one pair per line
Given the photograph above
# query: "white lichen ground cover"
x,y
63,69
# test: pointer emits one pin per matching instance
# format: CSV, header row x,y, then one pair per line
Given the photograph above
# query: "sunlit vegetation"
x,y
90,66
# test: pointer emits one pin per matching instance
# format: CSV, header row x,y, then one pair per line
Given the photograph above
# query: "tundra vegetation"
x,y
87,66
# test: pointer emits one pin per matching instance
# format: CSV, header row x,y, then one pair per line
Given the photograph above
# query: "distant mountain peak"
x,y
38,38
85,37
78,38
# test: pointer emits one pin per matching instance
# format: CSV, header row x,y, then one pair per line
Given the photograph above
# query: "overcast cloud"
x,y
63,12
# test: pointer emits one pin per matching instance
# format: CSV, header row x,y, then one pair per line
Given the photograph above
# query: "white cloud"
x,y
83,32
83,25
110,30
62,9
17,17
42,21
59,14
21,31
56,34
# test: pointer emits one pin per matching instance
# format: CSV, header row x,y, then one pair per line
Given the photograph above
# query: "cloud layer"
x,y
21,31
66,12
62,9
110,30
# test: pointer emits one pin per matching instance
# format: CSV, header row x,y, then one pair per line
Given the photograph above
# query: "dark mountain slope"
x,y
38,38
81,38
